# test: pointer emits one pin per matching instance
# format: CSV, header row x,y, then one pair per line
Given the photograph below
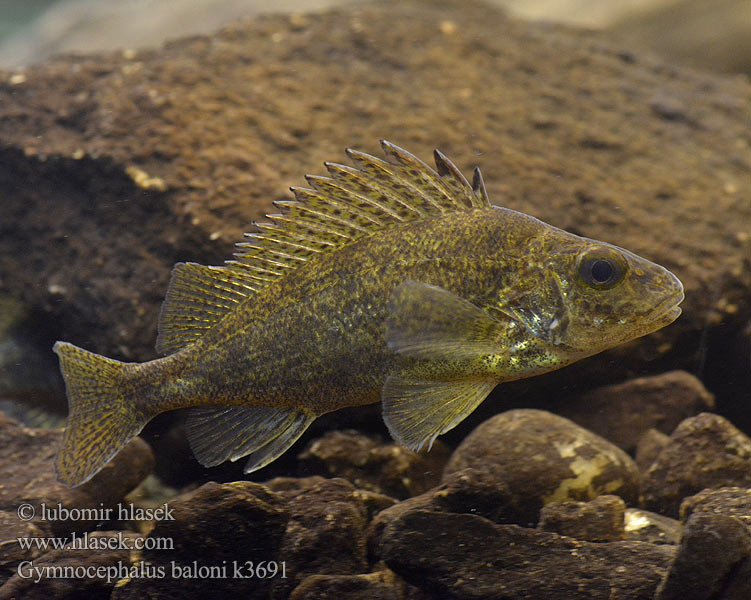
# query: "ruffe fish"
x,y
387,280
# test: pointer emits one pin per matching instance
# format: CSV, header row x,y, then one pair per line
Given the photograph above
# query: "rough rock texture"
x,y
712,561
545,458
466,491
381,585
27,474
705,451
159,156
731,501
645,526
371,464
325,534
622,413
649,447
11,527
212,527
291,487
465,556
600,520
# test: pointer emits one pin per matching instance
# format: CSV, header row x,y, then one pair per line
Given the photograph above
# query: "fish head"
x,y
607,296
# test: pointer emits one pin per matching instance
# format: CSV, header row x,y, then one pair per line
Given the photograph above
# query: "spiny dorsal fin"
x,y
353,202
334,211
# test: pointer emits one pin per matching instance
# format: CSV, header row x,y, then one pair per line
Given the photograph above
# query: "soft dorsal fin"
x,y
198,297
350,203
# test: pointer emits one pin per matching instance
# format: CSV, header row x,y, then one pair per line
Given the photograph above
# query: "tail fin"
x,y
100,422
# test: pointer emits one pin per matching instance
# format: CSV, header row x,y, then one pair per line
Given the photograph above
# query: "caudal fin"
x,y
100,421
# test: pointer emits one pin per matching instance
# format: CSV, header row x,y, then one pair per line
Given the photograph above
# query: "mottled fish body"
x,y
384,281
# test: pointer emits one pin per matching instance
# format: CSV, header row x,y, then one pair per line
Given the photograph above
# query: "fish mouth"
x,y
668,310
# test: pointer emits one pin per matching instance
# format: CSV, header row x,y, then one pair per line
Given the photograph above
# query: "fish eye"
x,y
602,268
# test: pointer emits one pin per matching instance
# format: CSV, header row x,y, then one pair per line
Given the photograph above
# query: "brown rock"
x,y
90,571
645,526
370,464
545,458
730,501
705,451
649,447
325,534
712,561
711,35
599,520
464,556
28,476
291,487
11,552
209,533
381,585
466,491
624,412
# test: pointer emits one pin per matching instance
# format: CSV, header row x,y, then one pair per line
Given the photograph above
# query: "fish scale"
x,y
386,281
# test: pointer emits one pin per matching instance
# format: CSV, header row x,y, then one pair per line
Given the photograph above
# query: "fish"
x,y
385,281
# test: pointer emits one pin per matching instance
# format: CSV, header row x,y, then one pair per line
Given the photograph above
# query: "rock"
x,y
30,388
599,520
325,534
291,487
545,458
713,558
645,526
705,34
466,491
624,412
370,464
381,585
85,572
28,476
705,451
730,501
11,552
183,147
465,556
649,447
211,532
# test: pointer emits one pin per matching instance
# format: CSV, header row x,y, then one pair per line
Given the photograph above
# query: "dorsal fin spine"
x,y
339,196
349,176
317,205
378,170
311,227
417,168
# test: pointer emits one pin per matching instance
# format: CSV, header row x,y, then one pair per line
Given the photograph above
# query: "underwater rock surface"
x,y
466,556
546,458
705,451
385,468
623,412
117,166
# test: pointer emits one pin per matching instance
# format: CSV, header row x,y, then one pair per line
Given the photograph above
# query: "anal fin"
x,y
417,411
263,433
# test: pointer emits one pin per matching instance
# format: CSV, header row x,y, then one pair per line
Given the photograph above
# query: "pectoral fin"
x,y
441,330
417,411
426,321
